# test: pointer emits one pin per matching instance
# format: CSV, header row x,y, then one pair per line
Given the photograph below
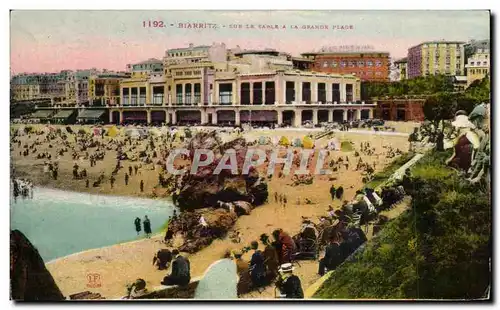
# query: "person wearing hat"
x,y
288,283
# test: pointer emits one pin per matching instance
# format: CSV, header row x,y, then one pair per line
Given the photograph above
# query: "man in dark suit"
x,y
181,271
332,259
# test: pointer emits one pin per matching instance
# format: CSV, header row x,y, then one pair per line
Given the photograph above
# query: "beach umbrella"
x,y
113,132
308,142
284,141
219,281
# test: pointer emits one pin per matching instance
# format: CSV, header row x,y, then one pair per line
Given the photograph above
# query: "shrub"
x,y
440,248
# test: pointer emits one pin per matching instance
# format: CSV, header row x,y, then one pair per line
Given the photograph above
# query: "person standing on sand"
x,y
87,183
137,224
147,226
112,180
130,170
126,178
276,197
141,185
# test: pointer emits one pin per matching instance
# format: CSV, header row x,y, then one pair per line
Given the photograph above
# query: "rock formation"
x,y
205,188
29,279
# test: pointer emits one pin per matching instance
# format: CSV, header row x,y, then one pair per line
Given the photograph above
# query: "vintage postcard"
x,y
239,155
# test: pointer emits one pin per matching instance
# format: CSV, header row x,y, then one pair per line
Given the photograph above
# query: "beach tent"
x,y
164,130
308,142
219,281
113,131
284,141
178,136
263,140
132,132
96,131
155,132
297,142
333,144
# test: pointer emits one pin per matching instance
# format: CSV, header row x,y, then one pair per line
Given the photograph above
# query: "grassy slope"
x,y
437,249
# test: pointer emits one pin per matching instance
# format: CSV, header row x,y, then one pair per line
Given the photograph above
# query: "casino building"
x,y
214,85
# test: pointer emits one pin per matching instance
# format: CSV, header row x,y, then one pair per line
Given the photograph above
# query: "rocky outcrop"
x,y
195,235
205,189
29,279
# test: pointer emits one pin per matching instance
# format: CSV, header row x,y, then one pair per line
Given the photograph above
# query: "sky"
x,y
50,41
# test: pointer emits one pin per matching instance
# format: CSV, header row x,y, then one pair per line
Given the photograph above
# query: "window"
x,y
343,63
188,73
352,64
306,92
178,93
158,92
187,93
485,63
270,93
178,73
290,92
325,64
361,63
257,93
336,92
378,73
348,91
197,93
369,63
125,96
334,64
245,93
322,92
471,63
378,63
225,93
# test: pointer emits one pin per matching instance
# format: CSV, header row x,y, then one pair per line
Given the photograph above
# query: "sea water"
x,y
59,223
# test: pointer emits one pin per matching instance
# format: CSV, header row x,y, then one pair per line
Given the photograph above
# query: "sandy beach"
x,y
121,264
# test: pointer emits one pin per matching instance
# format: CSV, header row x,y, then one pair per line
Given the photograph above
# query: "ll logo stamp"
x,y
94,280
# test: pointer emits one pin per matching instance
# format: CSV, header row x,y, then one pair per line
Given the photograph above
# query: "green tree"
x,y
437,109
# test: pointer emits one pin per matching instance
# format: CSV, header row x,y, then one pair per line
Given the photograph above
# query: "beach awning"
x,y
41,114
63,114
90,114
